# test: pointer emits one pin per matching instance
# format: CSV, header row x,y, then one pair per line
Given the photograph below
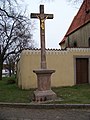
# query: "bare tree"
x,y
10,61
15,33
75,1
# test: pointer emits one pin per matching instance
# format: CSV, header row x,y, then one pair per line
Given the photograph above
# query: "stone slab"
x,y
44,95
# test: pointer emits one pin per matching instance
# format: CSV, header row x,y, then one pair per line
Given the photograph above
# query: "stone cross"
x,y
43,91
42,17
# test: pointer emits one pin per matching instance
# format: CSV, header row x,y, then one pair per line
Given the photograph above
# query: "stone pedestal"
x,y
44,91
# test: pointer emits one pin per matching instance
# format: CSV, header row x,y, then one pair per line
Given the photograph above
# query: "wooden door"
x,y
81,70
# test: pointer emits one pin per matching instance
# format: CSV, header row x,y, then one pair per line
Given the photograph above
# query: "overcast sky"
x,y
56,28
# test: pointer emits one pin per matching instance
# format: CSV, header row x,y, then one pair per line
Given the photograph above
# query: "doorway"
x,y
82,70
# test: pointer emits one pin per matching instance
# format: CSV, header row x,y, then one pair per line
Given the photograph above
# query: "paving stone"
x,y
44,114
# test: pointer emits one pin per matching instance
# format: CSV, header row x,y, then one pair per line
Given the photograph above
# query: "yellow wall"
x,y
61,61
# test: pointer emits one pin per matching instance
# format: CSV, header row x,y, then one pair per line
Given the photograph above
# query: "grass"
x,y
73,95
78,94
11,93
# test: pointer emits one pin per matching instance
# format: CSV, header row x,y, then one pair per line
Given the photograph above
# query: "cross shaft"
x,y
42,17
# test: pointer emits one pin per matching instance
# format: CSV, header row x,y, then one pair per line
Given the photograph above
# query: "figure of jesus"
x,y
42,22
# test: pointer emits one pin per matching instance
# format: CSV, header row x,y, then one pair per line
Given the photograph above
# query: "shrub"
x,y
11,80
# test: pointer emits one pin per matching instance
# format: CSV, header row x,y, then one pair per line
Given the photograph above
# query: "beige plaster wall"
x,y
61,61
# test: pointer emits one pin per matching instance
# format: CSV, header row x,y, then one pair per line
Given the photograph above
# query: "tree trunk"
x,y
9,68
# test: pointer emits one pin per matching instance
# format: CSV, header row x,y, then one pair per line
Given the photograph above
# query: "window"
x,y
89,42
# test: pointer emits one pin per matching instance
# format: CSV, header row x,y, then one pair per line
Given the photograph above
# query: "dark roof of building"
x,y
82,18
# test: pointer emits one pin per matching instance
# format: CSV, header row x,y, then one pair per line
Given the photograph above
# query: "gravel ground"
x,y
43,114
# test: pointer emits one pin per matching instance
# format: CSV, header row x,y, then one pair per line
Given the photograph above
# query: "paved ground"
x,y
43,114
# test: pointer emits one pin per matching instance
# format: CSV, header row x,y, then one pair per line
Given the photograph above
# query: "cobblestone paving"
x,y
43,114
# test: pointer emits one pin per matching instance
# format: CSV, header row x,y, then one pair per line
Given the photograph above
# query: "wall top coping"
x,y
37,49
56,51
53,49
78,49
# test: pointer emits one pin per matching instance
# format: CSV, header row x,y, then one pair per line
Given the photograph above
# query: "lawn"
x,y
75,94
78,94
11,93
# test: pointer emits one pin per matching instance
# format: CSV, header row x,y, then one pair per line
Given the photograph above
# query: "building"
x,y
71,63
78,34
69,71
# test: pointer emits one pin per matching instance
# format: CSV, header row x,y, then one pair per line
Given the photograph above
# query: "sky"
x,y
55,28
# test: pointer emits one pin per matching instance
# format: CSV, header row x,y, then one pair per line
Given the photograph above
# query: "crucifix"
x,y
42,17
43,91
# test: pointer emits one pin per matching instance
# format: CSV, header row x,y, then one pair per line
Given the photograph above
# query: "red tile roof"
x,y
82,17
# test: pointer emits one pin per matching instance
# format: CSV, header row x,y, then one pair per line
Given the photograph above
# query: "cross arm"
x,y
34,15
49,16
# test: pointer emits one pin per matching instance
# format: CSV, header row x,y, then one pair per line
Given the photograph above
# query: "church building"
x,y
78,34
